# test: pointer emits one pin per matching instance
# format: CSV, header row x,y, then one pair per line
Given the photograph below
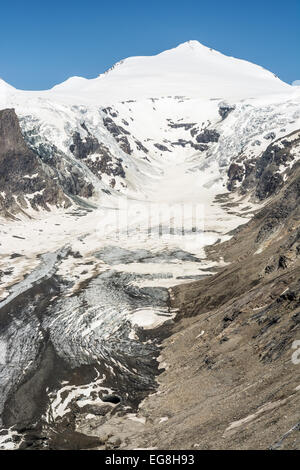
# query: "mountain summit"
x,y
190,69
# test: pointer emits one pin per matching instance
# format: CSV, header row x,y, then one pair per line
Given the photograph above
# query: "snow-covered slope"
x,y
124,131
191,70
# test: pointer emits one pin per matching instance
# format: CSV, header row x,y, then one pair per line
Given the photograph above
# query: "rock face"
x,y
265,175
24,180
96,156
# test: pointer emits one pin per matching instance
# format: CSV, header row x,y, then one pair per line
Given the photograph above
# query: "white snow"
x,y
3,348
6,440
182,85
148,318
59,403
164,419
150,97
190,69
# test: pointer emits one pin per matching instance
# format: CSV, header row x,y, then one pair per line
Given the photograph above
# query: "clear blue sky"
x,y
42,44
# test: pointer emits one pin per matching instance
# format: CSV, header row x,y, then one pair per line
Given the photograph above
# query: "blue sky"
x,y
42,44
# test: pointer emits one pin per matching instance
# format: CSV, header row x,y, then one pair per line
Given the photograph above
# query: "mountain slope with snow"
x,y
122,132
191,69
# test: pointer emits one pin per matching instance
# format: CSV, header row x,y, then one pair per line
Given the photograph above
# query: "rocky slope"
x,y
115,134
231,378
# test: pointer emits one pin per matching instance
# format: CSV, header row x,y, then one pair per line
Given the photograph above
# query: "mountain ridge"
x,y
184,70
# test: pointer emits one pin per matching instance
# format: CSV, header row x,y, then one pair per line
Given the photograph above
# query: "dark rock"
x,y
207,136
22,173
109,110
162,148
199,147
235,174
225,109
184,143
97,410
113,128
282,262
140,146
230,318
111,399
270,136
264,174
194,131
83,148
269,269
124,144
185,125
268,184
71,440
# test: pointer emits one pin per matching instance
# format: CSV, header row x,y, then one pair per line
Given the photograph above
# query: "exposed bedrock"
x,y
265,175
96,156
24,180
207,136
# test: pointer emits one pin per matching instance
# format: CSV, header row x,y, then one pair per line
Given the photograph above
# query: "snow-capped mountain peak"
x,y
190,69
189,106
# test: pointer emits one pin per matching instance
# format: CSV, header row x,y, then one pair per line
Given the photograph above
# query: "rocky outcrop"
x,y
265,175
82,148
184,143
207,136
124,144
25,182
140,146
119,134
161,147
113,128
109,111
182,125
96,156
235,175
